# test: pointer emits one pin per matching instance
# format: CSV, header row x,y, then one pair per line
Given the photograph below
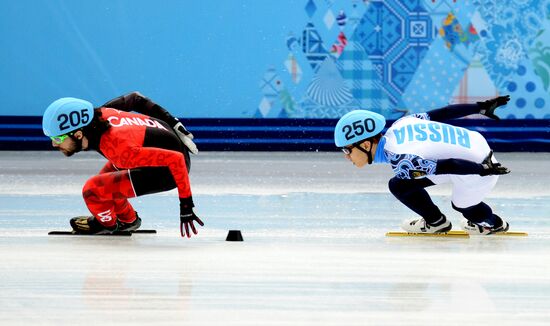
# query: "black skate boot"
x,y
90,225
129,226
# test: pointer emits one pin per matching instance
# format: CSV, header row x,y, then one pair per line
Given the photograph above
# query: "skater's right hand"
x,y
487,108
187,217
490,168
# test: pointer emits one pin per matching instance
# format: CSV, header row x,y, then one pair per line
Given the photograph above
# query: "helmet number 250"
x,y
358,128
73,119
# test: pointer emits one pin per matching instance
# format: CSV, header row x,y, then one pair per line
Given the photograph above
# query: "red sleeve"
x,y
129,157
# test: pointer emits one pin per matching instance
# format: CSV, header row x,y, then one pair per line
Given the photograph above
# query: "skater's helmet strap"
x,y
356,126
65,115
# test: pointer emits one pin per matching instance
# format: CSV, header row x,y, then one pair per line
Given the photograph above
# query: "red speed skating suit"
x,y
145,156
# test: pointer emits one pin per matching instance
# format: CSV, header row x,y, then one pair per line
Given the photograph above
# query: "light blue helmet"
x,y
356,126
65,115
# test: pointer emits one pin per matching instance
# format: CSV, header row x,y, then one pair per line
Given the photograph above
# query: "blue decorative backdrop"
x,y
275,75
277,59
398,57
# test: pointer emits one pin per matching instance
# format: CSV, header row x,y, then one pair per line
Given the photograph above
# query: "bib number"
x,y
73,119
358,128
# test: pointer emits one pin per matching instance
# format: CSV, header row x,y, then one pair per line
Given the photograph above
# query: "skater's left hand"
x,y
186,137
490,168
188,217
487,108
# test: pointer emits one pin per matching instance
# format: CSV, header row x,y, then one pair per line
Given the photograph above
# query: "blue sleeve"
x,y
410,166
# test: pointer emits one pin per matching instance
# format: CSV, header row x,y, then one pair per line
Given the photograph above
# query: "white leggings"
x,y
468,190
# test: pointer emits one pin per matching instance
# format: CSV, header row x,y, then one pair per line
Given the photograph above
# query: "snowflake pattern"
x,y
410,166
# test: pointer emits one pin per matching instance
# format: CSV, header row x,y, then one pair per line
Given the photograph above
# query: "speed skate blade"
x,y
505,233
144,231
116,233
511,234
451,234
457,234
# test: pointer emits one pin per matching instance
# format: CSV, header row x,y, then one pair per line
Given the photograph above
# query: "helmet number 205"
x,y
73,119
358,128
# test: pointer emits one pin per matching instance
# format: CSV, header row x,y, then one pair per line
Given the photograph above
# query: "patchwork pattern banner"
x,y
362,79
406,56
396,35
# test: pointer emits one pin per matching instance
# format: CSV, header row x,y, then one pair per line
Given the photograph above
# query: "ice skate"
x,y
484,228
420,226
90,225
129,226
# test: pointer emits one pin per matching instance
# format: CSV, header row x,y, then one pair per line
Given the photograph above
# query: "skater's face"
x,y
70,145
356,156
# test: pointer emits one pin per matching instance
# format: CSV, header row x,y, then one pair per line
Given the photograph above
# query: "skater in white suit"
x,y
423,151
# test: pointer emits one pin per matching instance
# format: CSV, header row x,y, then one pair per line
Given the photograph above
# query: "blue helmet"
x,y
356,126
65,115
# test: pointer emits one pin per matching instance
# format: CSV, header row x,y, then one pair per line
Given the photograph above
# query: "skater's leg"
x,y
480,219
478,213
106,193
146,180
108,167
468,193
412,194
150,180
124,211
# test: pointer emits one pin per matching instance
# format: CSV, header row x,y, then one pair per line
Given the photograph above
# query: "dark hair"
x,y
375,137
96,128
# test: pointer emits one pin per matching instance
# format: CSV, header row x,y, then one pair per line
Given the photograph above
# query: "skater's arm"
x,y
486,108
135,101
136,156
457,166
410,166
462,167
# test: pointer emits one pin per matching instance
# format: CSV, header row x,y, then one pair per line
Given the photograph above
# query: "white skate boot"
x,y
420,226
483,228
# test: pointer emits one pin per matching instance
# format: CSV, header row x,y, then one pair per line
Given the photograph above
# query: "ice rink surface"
x,y
314,250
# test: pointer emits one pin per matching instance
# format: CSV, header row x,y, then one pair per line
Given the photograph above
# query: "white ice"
x,y
314,250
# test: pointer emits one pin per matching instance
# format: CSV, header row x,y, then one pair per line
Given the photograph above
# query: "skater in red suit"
x,y
147,152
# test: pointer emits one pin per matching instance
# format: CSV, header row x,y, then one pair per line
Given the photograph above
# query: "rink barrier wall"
x,y
25,133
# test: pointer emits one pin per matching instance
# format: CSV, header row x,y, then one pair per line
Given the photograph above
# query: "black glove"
x,y
490,168
488,107
187,216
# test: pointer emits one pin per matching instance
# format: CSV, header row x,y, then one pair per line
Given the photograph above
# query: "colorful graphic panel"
x,y
399,57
